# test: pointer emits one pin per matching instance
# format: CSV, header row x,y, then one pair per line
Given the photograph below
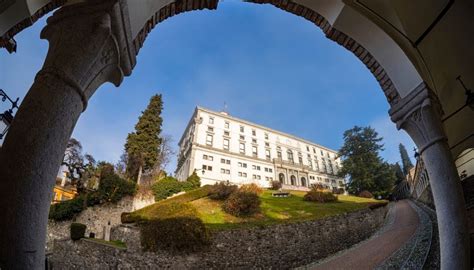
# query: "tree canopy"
x,y
361,163
142,147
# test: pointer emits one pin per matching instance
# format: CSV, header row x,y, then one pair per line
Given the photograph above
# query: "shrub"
x,y
194,181
376,205
166,187
252,188
275,185
221,191
317,195
365,194
113,188
172,226
338,191
317,186
67,209
242,203
77,231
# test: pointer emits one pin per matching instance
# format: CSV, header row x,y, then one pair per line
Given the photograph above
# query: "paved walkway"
x,y
376,250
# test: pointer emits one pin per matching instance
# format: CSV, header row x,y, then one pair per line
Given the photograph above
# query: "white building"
x,y
224,148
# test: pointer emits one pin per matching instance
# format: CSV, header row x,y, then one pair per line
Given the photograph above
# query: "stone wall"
x,y
97,217
279,246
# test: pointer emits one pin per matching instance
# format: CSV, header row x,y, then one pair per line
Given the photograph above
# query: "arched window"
x,y
303,181
281,177
293,180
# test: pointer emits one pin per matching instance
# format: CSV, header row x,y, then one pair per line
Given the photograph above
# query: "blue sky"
x,y
269,66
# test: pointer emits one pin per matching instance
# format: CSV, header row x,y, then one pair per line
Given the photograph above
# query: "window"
x,y
322,154
225,171
268,178
254,140
211,129
314,150
243,165
267,144
225,161
279,154
307,148
254,150
211,120
226,133
242,129
266,136
254,133
206,157
267,154
242,174
256,167
226,124
209,139
207,167
300,160
256,177
242,148
242,137
268,170
326,180
226,144
311,177
290,155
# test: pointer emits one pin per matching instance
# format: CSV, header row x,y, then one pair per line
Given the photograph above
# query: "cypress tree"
x,y
406,162
398,173
142,146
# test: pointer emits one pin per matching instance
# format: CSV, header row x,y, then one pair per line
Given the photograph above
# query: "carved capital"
x,y
419,114
89,45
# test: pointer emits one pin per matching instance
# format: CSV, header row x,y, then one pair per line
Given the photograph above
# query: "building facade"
x,y
220,147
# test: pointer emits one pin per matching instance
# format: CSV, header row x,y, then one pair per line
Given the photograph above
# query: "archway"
x,y
293,180
115,34
303,182
281,178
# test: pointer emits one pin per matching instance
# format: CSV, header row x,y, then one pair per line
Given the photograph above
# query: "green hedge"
x,y
166,187
67,209
111,189
77,231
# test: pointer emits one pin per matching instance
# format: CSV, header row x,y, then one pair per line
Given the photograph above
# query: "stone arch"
x,y
414,107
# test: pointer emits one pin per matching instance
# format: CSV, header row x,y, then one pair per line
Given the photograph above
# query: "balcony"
x,y
291,164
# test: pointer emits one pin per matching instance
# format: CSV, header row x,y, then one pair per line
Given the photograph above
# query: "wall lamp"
x,y
7,116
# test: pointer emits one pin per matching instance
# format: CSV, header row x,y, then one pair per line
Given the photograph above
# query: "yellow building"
x,y
63,192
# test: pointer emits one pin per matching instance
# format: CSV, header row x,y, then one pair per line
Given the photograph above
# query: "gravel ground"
x,y
414,253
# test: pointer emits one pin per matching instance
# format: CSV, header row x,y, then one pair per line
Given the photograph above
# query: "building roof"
x,y
228,116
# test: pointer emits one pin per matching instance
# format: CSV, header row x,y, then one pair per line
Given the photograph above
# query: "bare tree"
x,y
78,170
164,157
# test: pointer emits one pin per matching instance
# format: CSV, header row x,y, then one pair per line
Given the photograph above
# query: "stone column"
x,y
88,47
419,115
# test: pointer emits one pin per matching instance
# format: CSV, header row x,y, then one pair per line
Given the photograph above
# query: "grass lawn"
x,y
277,210
114,243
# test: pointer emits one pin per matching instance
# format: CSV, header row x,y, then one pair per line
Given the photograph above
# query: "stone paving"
x,y
402,223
